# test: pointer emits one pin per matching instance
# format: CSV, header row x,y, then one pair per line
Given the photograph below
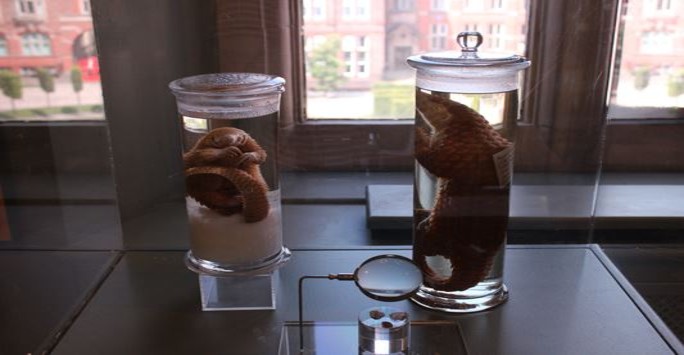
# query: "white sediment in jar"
x,y
229,239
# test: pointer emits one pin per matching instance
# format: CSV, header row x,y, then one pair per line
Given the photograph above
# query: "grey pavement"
x,y
64,95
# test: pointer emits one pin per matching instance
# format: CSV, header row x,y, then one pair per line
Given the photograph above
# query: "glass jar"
x,y
466,113
230,155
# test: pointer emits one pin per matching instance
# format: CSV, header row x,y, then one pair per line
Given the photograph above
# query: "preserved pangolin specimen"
x,y
468,221
222,173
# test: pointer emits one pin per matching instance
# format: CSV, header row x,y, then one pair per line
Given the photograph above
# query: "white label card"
x,y
503,162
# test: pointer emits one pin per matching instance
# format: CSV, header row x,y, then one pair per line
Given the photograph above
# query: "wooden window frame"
x,y
563,108
145,137
555,135
566,91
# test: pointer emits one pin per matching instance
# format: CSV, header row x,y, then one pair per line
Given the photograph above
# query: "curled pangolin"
x,y
222,173
469,219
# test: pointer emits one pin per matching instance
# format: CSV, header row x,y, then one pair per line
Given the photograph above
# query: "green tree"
x,y
325,66
77,82
675,83
11,86
641,77
47,82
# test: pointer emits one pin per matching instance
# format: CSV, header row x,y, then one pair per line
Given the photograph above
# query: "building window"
x,y
495,39
663,5
471,27
29,7
35,44
438,36
26,6
403,5
438,5
355,55
497,4
658,7
314,9
85,7
656,42
356,9
473,4
3,46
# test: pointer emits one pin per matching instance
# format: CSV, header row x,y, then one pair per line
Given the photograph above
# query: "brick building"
x,y
419,26
377,36
45,34
403,37
653,36
502,23
359,25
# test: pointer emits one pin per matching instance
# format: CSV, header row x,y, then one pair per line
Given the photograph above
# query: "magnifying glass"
x,y
387,278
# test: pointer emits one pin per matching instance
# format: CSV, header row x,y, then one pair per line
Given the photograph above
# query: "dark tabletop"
x,y
563,301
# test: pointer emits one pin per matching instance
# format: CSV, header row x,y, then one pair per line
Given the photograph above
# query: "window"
x,y
664,4
541,116
314,9
495,39
657,42
85,7
57,38
376,83
3,46
438,36
29,7
26,6
658,5
649,75
355,54
471,27
35,44
403,5
473,5
439,5
356,9
497,4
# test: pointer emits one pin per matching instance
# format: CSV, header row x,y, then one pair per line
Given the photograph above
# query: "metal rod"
x,y
340,277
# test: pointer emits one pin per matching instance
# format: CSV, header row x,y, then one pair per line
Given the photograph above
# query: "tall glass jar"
x,y
466,112
230,155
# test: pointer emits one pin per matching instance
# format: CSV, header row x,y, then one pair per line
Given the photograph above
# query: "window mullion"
x,y
570,46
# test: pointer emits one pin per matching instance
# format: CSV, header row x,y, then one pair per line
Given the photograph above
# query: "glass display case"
x,y
94,223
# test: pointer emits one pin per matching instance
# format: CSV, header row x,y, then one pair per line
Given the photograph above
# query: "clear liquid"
x,y
389,278
234,219
461,194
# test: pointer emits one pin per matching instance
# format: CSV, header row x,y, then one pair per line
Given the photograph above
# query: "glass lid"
x,y
228,84
469,55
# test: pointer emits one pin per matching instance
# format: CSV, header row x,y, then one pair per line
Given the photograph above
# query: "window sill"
x,y
539,201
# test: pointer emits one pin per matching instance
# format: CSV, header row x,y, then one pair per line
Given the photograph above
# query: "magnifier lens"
x,y
389,277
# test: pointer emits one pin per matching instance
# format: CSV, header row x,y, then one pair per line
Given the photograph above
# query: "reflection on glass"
x,y
48,62
56,188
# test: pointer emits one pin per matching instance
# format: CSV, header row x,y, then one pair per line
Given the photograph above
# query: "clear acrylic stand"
x,y
223,289
234,293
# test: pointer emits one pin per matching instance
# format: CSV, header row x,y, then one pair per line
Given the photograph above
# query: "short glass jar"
x,y
230,155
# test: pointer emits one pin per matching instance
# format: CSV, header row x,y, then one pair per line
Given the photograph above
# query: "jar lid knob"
x,y
469,41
